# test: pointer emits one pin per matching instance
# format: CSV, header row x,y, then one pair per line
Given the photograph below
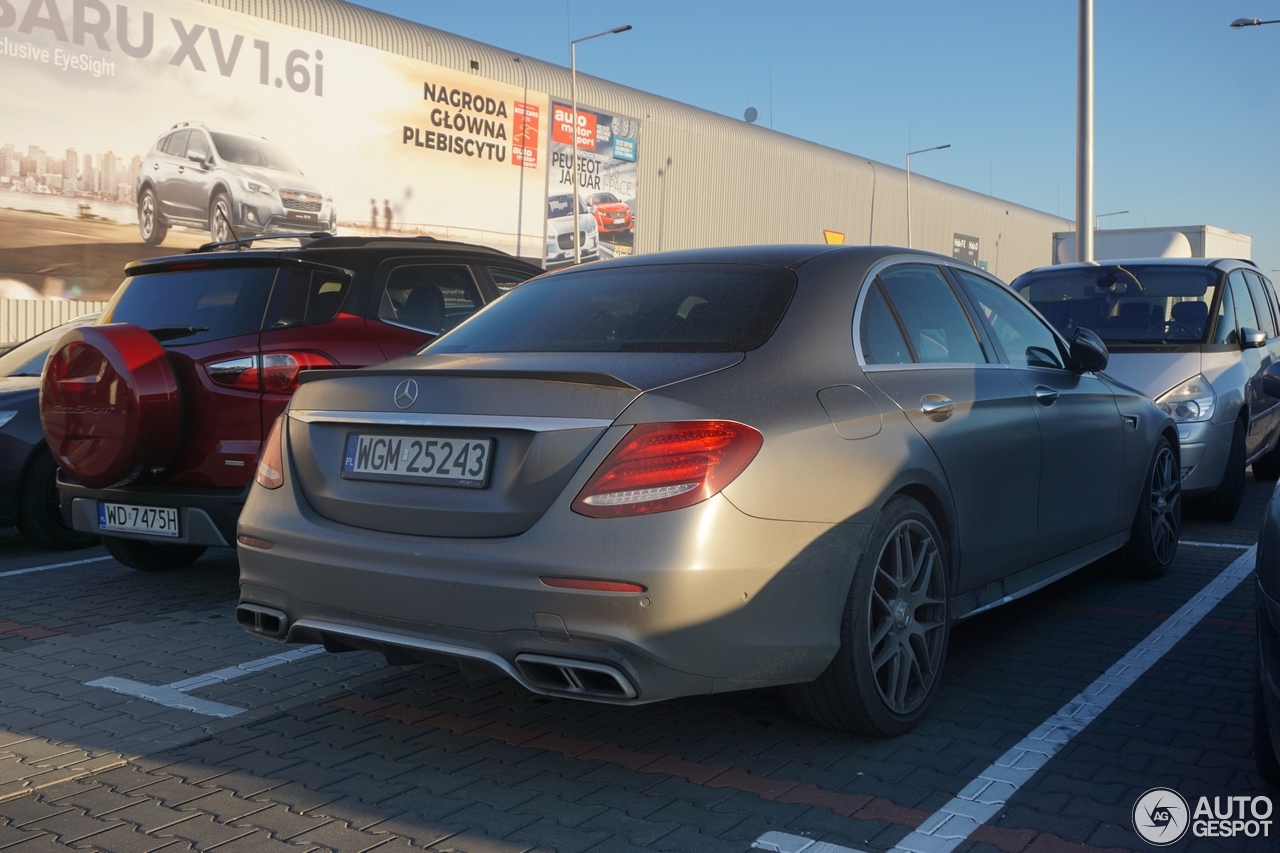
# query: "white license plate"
x,y
155,520
438,460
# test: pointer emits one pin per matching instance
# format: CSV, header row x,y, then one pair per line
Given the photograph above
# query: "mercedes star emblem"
x,y
406,394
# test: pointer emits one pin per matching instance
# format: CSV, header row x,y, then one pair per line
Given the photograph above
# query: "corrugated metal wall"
x,y
24,318
708,180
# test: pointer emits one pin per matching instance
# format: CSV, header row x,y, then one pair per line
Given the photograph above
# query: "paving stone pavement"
x,y
344,753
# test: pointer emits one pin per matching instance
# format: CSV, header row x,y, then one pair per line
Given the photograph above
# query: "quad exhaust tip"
x,y
263,620
575,677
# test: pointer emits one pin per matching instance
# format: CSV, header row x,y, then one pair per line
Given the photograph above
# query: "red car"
x,y
156,413
611,213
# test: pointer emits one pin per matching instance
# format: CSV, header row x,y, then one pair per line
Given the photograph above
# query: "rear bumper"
x,y
205,516
731,602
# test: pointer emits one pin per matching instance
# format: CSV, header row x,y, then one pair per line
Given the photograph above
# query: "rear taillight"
x,y
660,467
276,372
271,466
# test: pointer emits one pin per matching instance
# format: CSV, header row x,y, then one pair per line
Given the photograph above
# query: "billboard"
x,y
607,151
140,128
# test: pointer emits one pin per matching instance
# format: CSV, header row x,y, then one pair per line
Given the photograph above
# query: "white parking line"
x,y
174,695
985,796
54,566
1213,545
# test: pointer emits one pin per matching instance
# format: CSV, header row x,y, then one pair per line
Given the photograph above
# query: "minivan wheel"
x,y
40,512
1153,539
149,225
220,218
893,634
151,556
1224,503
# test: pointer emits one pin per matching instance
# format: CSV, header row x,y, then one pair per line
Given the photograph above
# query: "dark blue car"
x,y
28,487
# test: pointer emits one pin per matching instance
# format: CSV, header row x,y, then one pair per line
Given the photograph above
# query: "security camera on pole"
x,y
573,86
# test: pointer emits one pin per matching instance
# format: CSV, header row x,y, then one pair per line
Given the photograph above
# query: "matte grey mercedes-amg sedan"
x,y
707,471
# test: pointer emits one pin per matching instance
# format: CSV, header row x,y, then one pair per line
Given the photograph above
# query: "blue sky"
x,y
1187,128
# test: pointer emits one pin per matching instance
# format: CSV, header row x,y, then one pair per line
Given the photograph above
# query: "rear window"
x,y
661,308
194,306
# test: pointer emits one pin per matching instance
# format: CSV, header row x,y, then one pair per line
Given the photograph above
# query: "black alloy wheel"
x,y
906,618
893,631
40,508
1153,539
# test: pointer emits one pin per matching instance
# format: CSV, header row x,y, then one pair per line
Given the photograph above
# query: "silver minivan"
x,y
1195,335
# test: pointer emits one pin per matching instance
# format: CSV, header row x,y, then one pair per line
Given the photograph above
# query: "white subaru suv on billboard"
x,y
230,184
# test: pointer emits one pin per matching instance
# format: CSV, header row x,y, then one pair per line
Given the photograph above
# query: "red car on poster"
x,y
611,213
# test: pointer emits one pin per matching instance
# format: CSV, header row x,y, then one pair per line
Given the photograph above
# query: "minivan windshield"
x,y
659,308
194,306
1129,303
245,151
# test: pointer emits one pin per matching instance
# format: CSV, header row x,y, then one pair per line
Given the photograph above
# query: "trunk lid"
x,y
543,413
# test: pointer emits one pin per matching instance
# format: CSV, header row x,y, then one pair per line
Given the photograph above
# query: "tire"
x,y
1153,539
895,616
150,225
220,218
1224,503
151,556
1268,467
39,510
1264,748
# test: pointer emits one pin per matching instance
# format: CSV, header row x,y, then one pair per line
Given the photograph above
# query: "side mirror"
x,y
1252,338
199,158
1271,380
1088,351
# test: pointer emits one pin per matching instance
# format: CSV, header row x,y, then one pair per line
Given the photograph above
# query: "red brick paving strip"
x,y
27,632
859,806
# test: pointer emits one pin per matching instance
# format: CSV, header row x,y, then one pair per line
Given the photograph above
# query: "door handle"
x,y
1047,396
155,166
936,407
181,169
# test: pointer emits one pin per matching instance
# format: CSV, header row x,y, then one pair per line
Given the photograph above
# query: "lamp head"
x,y
1241,23
622,29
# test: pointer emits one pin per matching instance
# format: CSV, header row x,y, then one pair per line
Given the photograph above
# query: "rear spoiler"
x,y
576,377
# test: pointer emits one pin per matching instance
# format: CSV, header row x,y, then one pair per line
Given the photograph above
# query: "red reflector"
x,y
255,543
594,586
666,466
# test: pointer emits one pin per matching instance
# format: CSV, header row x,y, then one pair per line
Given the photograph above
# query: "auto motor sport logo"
x,y
1162,817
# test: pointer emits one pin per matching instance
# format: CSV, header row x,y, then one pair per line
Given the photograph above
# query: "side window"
x,y
1246,317
1226,328
508,279
306,296
1027,341
881,336
938,330
176,144
1261,305
430,298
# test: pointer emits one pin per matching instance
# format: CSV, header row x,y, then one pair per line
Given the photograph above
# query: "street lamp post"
x,y
524,126
573,87
1084,133
1102,215
909,153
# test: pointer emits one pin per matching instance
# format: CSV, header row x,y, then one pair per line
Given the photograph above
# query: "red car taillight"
x,y
271,466
276,372
660,467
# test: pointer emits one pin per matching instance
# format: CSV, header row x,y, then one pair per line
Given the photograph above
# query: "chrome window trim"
x,y
896,260
424,419
934,365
